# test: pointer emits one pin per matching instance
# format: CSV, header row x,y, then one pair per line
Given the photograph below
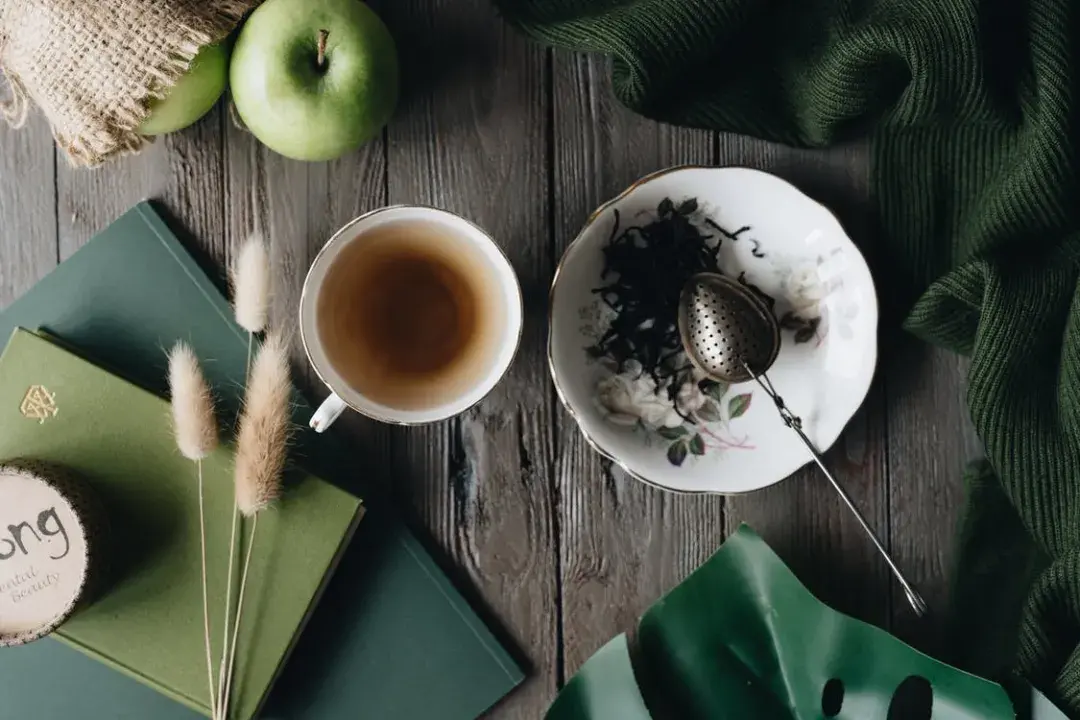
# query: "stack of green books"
x,y
390,639
147,620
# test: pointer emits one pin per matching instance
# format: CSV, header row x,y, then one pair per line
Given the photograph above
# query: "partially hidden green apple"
x,y
193,94
314,79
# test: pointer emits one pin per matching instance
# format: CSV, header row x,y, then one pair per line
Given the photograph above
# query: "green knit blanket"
x,y
971,107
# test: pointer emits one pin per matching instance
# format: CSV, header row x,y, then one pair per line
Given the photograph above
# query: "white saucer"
x,y
796,252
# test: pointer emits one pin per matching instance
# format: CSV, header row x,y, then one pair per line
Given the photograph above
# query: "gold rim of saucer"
x,y
578,239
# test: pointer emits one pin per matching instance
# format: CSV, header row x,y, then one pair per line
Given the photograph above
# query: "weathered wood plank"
x,y
27,207
470,137
296,206
182,171
802,517
930,439
623,543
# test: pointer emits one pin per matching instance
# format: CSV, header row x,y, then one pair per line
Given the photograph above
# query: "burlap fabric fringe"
x,y
93,66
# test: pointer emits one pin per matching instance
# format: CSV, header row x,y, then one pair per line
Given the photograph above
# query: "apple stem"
x,y
321,60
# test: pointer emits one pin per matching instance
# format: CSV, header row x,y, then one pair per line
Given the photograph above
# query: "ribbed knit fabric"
x,y
972,110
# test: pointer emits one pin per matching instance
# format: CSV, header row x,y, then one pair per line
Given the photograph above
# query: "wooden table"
x,y
559,550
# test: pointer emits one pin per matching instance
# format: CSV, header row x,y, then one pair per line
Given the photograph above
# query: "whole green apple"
x,y
314,79
193,94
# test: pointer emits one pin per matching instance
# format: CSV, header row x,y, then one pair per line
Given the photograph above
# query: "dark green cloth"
x,y
971,110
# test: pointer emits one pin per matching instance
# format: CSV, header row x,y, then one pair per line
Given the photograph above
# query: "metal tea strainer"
x,y
730,333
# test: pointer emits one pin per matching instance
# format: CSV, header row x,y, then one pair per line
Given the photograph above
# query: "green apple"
x,y
314,79
193,94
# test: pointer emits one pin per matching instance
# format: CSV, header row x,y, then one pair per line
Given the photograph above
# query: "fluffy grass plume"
x,y
196,437
251,285
261,451
265,428
192,406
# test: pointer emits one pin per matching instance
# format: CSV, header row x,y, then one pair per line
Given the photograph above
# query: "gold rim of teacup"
x,y
367,216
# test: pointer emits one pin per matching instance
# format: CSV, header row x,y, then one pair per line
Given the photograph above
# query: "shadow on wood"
x,y
459,577
439,50
214,270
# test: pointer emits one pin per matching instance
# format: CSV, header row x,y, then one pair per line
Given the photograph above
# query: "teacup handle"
x,y
328,412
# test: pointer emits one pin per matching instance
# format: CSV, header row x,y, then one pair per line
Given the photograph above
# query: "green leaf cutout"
x,y
672,433
709,412
738,405
676,454
697,444
741,637
604,687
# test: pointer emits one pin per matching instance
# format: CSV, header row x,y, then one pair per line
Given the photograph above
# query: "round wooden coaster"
x,y
49,526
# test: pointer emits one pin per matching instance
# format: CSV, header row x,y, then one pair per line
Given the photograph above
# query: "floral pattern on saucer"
x,y
696,423
714,438
698,419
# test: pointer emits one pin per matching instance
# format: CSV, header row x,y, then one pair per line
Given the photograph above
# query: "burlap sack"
x,y
93,66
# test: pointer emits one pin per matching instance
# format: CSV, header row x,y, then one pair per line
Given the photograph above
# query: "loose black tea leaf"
x,y
724,233
791,321
805,329
806,333
769,299
645,269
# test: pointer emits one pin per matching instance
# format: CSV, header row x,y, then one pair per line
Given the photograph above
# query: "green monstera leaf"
x,y
742,638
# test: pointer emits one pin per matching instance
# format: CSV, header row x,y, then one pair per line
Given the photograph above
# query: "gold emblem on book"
x,y
38,404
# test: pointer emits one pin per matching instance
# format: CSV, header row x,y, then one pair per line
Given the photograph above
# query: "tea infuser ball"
x,y
731,335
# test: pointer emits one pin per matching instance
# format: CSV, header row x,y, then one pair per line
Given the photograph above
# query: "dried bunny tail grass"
x,y
265,428
192,405
251,285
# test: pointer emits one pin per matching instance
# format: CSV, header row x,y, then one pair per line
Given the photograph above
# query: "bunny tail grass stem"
x,y
205,601
239,614
196,432
220,707
228,615
261,451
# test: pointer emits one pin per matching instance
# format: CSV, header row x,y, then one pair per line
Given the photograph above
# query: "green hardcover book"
x,y
147,621
392,638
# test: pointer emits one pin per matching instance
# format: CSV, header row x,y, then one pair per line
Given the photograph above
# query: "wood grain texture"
x,y
556,549
27,207
182,172
296,207
931,439
470,137
623,543
802,517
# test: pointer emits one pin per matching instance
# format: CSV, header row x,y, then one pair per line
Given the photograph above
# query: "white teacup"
x,y
409,315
